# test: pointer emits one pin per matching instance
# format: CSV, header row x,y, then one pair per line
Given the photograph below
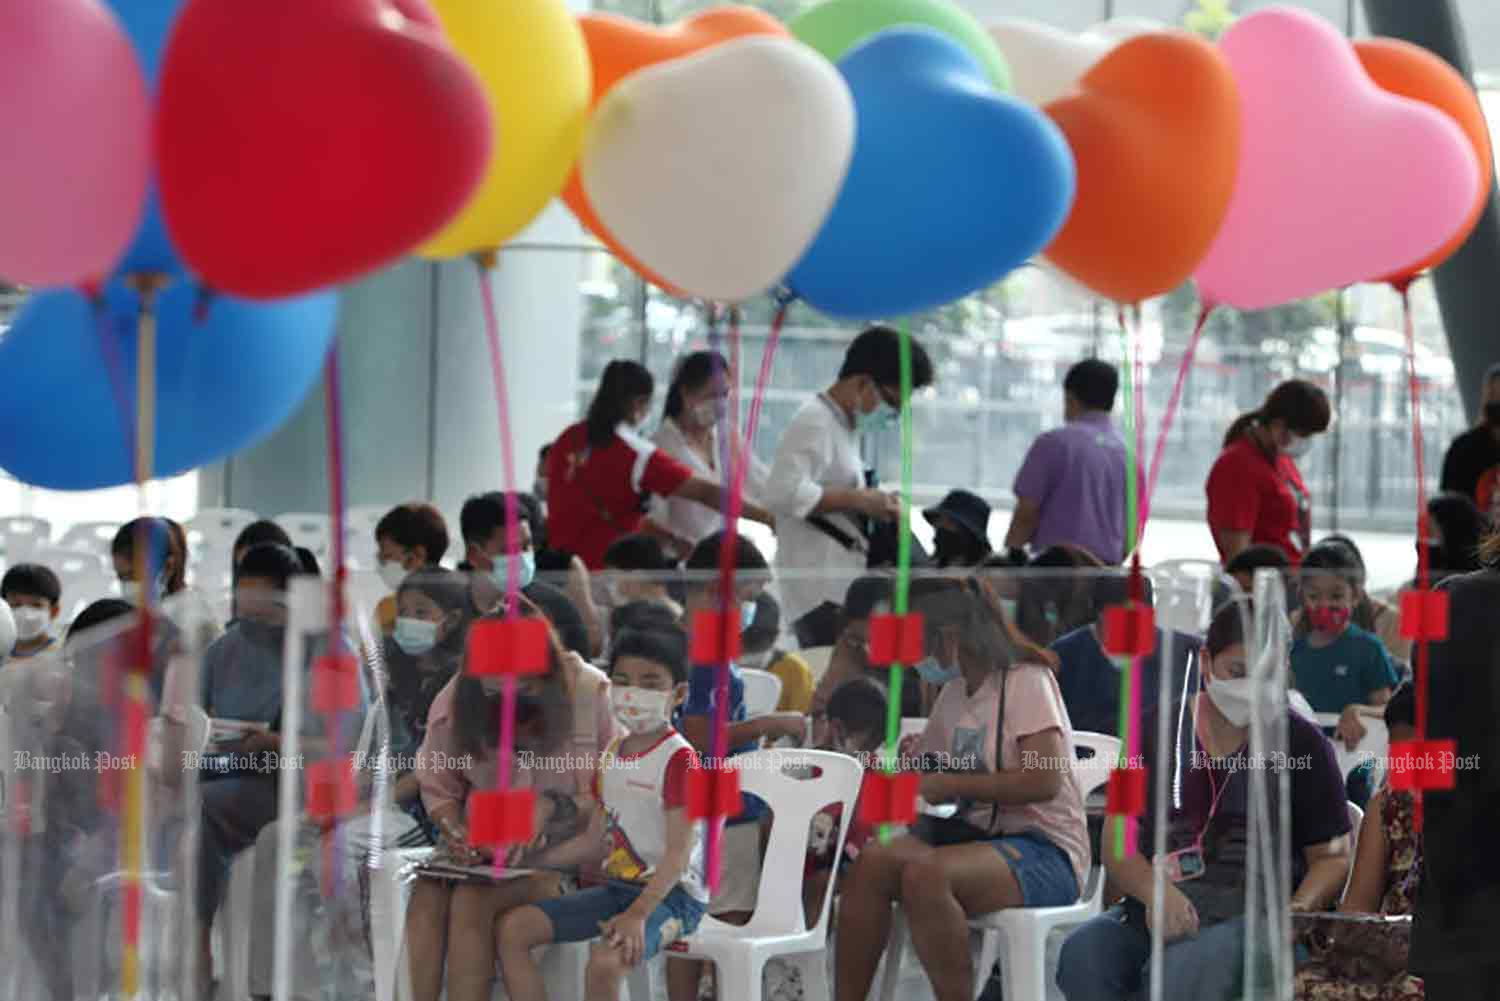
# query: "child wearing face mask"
x,y
33,593
654,890
1339,667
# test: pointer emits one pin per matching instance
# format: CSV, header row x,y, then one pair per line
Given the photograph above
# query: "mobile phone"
x,y
1185,865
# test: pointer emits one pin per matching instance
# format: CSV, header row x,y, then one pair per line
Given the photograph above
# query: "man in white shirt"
x,y
818,473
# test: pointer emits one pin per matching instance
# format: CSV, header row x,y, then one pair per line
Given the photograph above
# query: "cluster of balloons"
x,y
872,157
1279,163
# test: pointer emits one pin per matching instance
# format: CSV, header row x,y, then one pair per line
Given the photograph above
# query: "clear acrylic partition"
x,y
89,821
337,911
325,846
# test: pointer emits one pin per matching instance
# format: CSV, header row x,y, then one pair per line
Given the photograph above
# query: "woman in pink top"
x,y
564,722
1020,838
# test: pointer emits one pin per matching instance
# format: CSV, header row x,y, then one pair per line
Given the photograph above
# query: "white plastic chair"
x,y
1375,745
90,537
359,536
83,590
762,691
912,726
778,927
1024,929
22,535
79,572
218,527
310,530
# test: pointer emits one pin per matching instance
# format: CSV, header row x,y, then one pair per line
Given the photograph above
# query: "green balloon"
x,y
835,27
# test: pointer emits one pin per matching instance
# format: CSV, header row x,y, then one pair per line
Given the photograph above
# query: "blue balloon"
x,y
952,184
148,23
228,373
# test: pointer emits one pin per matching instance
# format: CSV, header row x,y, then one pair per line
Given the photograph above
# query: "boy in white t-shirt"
x,y
654,891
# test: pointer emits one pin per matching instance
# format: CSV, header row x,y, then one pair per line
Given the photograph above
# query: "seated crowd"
x,y
1015,667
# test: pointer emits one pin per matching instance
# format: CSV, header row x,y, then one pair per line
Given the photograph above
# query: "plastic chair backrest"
x,y
71,562
762,691
21,535
218,527
912,726
1356,820
311,530
90,536
83,590
1182,594
794,802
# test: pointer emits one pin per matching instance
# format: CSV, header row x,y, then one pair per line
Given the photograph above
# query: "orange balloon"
x,y
618,46
1155,132
1412,71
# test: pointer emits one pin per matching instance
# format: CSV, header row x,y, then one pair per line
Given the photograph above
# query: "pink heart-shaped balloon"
x,y
74,168
1339,181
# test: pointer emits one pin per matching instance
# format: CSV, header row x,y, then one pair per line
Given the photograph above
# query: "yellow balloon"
x,y
534,64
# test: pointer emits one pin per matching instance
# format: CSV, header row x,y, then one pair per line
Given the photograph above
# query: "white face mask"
x,y
135,593
1297,447
392,573
1233,696
640,710
31,623
706,414
415,636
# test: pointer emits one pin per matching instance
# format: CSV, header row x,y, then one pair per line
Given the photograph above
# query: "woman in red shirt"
x,y
1255,491
602,470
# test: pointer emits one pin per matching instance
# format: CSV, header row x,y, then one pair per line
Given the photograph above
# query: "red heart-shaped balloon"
x,y
302,144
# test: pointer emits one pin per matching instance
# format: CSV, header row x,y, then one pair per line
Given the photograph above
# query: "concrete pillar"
x,y
419,412
1465,285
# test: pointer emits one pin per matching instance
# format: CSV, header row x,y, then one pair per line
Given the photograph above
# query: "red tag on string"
x,y
889,797
714,793
132,903
499,647
499,818
896,639
1129,630
330,789
1126,793
335,683
1422,765
1424,615
716,637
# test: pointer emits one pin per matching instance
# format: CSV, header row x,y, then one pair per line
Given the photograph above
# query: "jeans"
x,y
1107,959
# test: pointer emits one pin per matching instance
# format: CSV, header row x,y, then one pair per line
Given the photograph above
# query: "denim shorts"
x,y
1043,870
577,916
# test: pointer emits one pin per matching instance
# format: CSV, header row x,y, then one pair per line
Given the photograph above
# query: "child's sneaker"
x,y
783,981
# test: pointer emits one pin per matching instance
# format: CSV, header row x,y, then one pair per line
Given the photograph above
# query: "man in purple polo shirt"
x,y
1071,487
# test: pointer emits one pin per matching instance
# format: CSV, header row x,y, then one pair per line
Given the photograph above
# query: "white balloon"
x,y
1046,63
717,170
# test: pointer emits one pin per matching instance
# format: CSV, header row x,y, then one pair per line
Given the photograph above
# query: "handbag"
x,y
955,830
878,541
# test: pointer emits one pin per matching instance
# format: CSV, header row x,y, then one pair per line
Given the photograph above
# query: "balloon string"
x,y
900,603
1130,667
1173,402
338,610
1424,562
485,264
